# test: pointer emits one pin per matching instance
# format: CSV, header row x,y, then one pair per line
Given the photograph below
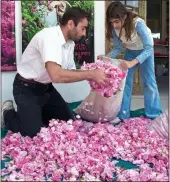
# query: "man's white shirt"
x,y
47,45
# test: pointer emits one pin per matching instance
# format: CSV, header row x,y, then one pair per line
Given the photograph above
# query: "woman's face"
x,y
117,23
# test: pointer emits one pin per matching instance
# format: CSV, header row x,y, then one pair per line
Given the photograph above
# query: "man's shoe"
x,y
7,105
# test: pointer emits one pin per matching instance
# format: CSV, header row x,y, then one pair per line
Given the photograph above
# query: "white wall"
x,y
99,30
70,92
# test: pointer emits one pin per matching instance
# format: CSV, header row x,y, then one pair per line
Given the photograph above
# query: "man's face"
x,y
77,32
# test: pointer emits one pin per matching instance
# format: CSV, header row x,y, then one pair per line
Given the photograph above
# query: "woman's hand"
x,y
128,64
100,57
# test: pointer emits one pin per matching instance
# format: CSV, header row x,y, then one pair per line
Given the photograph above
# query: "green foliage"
x,y
31,20
88,6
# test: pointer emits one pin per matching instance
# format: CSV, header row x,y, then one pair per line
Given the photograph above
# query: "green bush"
x,y
87,6
31,21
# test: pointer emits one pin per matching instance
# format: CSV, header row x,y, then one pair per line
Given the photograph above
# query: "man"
x,y
45,60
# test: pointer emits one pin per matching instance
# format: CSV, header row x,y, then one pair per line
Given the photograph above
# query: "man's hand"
x,y
59,75
54,4
99,77
128,64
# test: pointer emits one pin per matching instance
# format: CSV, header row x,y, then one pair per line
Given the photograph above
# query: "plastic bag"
x,y
160,125
97,108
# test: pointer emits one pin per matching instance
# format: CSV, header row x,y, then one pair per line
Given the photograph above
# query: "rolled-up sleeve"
x,y
117,46
50,49
146,39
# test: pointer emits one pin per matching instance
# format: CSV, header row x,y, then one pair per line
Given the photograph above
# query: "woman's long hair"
x,y
118,10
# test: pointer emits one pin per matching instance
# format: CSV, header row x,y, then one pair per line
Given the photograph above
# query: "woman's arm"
x,y
147,41
117,46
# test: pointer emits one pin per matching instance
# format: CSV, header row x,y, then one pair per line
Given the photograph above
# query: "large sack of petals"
x,y
83,151
103,103
161,125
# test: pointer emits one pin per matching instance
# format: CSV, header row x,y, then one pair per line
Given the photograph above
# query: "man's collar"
x,y
63,41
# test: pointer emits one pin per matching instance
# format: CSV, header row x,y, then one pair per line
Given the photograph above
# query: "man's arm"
x,y
59,75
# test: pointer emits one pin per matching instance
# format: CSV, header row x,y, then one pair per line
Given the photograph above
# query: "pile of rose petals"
x,y
7,31
114,77
80,150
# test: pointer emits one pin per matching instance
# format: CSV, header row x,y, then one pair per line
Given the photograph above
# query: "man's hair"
x,y
76,14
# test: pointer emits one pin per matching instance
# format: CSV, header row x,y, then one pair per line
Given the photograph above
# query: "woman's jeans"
x,y
151,96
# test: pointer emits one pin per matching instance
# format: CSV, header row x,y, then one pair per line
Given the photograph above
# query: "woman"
x,y
128,29
53,10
